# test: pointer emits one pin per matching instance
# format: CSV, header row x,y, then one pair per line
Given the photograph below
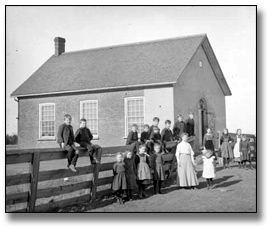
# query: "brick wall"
x,y
111,123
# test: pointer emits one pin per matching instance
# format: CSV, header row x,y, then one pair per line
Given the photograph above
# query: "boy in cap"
x,y
65,139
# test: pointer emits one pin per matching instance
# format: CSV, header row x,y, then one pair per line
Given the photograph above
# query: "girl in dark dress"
x,y
131,172
119,183
208,140
226,148
143,170
157,168
245,152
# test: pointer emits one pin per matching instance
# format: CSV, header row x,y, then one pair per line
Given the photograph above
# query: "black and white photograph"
x,y
131,109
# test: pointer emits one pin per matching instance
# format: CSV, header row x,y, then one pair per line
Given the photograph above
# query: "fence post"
x,y
34,181
96,173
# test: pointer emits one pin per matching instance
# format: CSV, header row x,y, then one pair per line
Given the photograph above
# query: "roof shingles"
x,y
143,63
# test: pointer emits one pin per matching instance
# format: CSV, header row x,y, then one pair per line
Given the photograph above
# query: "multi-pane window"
x,y
47,120
89,111
134,113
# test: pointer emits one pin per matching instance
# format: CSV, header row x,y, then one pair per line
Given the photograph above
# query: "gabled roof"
x,y
131,65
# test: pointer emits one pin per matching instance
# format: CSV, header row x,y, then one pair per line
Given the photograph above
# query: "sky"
x,y
30,33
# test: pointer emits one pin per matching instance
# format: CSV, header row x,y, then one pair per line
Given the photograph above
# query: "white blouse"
x,y
184,148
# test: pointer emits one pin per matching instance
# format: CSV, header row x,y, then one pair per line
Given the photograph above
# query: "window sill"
x,y
95,137
46,139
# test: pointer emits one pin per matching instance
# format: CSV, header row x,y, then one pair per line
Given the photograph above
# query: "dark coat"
x,y
155,137
151,131
132,137
245,150
65,134
144,136
83,135
190,127
179,127
166,135
131,173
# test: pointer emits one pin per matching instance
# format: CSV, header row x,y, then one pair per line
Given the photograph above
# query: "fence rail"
x,y
35,156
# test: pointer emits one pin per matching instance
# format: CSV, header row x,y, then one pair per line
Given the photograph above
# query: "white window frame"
x,y
40,118
95,136
126,114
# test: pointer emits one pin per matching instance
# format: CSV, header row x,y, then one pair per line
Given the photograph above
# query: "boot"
x,y
140,192
155,187
143,192
74,160
208,184
211,183
72,168
92,159
160,186
130,195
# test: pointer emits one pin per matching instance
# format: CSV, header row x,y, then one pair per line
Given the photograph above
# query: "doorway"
x,y
203,119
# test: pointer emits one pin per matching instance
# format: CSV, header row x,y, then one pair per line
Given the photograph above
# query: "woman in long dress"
x,y
236,150
185,164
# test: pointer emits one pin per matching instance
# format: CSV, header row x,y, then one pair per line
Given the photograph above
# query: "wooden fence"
x,y
35,176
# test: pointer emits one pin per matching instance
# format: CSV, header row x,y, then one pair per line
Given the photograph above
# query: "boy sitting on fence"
x,y
66,141
83,137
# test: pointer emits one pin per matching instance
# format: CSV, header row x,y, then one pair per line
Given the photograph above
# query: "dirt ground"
x,y
234,191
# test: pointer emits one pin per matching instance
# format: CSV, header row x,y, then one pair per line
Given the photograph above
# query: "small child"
x,y
208,167
65,139
119,183
208,140
167,138
83,137
166,134
156,136
245,152
156,122
236,150
179,126
132,138
145,138
131,172
143,170
157,168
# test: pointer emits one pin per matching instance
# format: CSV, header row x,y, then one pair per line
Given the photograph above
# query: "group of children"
x,y
166,138
136,171
237,149
83,136
144,163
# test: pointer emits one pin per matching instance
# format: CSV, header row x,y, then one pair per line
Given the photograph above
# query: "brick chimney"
x,y
59,46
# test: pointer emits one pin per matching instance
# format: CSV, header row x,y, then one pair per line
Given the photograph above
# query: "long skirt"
x,y
186,172
236,152
119,182
226,150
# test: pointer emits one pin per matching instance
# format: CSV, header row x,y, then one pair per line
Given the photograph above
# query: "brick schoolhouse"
x,y
114,87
